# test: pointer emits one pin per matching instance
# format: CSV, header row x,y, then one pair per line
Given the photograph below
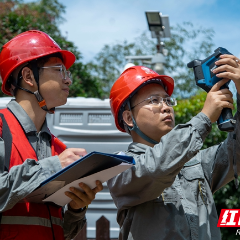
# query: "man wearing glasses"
x,y
168,193
33,69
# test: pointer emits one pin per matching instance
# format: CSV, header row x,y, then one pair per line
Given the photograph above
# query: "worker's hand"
x,y
230,69
82,199
216,100
70,155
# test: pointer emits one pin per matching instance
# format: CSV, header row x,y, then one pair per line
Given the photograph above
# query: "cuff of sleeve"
x,y
74,215
203,124
75,210
50,165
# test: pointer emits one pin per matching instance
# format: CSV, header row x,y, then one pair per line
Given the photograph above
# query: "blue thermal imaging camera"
x,y
205,79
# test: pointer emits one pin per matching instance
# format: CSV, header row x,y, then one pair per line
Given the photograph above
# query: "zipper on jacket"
x,y
201,193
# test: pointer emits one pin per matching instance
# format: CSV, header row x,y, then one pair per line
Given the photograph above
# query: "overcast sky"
x,y
92,23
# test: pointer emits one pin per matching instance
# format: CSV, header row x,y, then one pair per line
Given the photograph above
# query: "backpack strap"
x,y
6,135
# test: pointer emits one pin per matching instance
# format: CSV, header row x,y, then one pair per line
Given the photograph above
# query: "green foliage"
x,y
110,61
186,44
227,196
84,84
17,17
188,108
45,15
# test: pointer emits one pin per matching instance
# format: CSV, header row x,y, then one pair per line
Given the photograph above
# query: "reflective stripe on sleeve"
x,y
31,221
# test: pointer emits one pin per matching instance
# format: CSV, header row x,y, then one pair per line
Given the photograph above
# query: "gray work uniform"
x,y
168,193
22,179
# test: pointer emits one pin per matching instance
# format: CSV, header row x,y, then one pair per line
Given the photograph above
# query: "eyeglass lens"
x,y
66,74
169,101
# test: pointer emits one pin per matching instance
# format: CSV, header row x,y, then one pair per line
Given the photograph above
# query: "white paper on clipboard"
x,y
61,199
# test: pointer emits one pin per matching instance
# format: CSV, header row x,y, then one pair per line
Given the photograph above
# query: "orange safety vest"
x,y
27,220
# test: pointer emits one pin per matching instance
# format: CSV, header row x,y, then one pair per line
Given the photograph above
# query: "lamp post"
x,y
159,27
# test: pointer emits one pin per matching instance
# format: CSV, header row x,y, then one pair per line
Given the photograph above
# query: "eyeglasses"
x,y
64,73
157,101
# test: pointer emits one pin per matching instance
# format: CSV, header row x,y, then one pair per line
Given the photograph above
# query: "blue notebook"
x,y
87,165
91,163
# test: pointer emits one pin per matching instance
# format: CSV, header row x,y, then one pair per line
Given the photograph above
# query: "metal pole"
x,y
159,50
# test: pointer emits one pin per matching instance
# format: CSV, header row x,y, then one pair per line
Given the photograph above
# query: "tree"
x,y
186,109
46,15
187,43
227,196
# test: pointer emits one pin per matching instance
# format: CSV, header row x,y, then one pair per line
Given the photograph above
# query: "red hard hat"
x,y
128,82
25,47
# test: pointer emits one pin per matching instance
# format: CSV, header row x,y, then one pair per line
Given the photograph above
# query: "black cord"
x,y
234,161
50,221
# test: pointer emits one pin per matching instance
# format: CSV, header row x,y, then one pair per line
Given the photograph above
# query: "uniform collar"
x,y
138,148
25,120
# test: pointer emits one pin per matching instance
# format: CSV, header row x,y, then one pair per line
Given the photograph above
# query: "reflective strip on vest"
x,y
31,221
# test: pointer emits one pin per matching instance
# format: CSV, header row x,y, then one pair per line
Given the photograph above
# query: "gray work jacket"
x,y
168,193
22,179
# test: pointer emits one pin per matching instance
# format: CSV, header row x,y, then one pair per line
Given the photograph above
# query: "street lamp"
x,y
159,27
158,24
154,21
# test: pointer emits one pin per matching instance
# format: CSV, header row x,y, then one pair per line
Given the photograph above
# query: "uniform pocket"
x,y
169,195
193,172
195,179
